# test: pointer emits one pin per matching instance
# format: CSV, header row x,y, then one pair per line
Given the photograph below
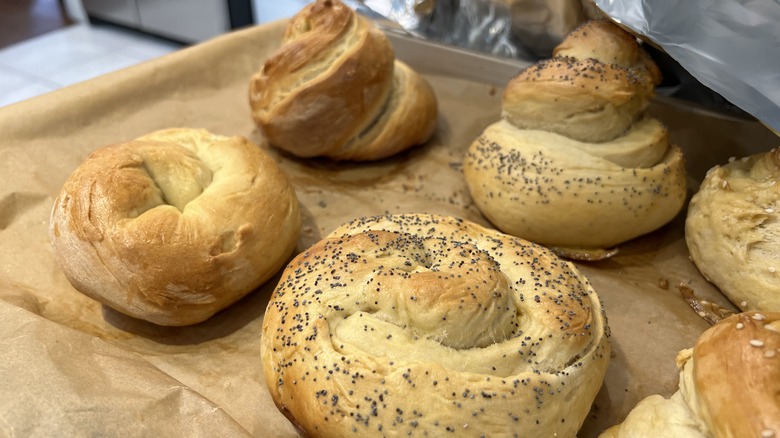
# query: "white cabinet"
x,y
188,21
118,11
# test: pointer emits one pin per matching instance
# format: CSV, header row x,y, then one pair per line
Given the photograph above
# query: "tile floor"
x,y
83,51
72,54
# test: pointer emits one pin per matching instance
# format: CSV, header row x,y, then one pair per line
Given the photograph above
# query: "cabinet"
x,y
188,21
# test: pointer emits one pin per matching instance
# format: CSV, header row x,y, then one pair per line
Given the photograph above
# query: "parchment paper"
x,y
72,367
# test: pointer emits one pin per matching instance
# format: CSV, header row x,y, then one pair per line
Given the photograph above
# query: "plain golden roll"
x,y
729,386
575,163
733,230
429,325
334,89
174,226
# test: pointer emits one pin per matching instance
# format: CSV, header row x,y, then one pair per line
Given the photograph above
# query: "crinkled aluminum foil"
x,y
522,29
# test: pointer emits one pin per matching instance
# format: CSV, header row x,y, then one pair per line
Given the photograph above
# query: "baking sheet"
x,y
73,367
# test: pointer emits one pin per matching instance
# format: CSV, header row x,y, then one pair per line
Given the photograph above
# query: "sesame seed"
x,y
756,342
743,304
772,269
769,210
770,353
740,326
758,317
767,433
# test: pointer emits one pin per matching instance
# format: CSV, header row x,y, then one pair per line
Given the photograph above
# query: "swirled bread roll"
x,y
424,325
729,386
733,230
334,89
574,162
175,225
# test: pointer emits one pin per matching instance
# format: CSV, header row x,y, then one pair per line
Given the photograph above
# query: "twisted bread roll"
x,y
733,230
175,225
729,386
419,324
334,89
573,163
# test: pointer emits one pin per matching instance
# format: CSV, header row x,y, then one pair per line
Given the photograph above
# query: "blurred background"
x,y
49,44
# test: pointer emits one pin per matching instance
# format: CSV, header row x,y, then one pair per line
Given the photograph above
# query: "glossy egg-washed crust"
x,y
733,230
427,325
574,163
729,386
334,89
175,225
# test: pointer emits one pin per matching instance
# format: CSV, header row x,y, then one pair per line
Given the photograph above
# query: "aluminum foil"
x,y
521,29
731,46
723,55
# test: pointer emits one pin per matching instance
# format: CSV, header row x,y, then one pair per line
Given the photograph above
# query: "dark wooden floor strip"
x,y
23,19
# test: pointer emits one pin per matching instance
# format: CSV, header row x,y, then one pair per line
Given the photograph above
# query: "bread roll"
x,y
729,386
334,89
733,230
175,225
574,162
429,325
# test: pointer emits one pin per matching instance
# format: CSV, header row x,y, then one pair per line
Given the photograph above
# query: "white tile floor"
x,y
73,54
83,51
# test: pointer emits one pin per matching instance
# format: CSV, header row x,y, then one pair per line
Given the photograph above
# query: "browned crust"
x,y
409,118
175,226
737,375
331,83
